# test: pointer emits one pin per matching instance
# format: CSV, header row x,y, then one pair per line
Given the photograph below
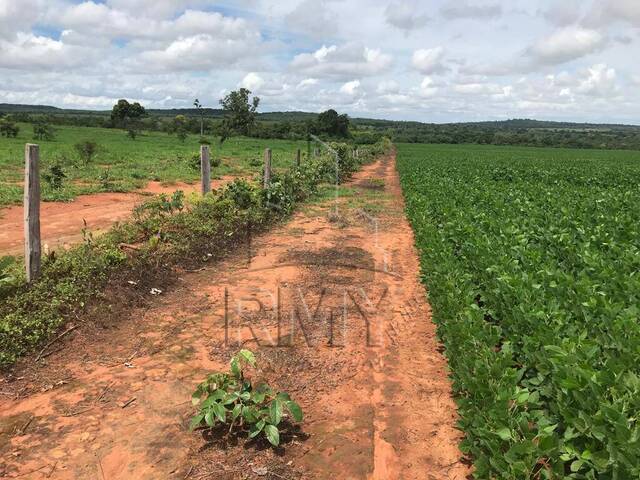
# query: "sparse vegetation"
x,y
155,156
167,232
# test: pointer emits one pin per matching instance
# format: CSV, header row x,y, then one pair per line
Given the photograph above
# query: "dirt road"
x,y
333,300
62,222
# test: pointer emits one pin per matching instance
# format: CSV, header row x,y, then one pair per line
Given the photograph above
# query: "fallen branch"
x,y
103,392
68,330
128,402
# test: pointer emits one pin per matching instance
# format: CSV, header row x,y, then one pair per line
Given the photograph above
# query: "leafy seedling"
x,y
232,400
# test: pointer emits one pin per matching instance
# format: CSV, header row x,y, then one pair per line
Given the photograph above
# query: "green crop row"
x,y
163,232
532,262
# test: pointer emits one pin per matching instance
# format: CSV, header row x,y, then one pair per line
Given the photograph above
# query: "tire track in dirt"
x,y
331,303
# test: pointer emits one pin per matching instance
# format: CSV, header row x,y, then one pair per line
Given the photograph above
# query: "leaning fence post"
x,y
267,167
298,158
205,169
32,246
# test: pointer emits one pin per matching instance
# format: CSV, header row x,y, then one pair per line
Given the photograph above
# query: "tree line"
x,y
238,115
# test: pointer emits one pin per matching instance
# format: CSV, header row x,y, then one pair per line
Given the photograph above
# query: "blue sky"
x,y
440,60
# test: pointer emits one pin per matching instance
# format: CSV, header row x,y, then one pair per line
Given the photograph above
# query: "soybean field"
x,y
531,258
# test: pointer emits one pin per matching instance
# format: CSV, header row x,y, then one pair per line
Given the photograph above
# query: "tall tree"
x,y
200,109
127,116
239,112
332,124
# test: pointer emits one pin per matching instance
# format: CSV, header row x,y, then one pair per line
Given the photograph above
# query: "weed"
x,y
235,402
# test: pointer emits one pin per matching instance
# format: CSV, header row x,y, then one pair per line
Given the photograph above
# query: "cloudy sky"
x,y
435,61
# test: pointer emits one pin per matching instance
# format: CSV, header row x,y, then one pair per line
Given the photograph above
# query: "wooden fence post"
x,y
32,245
267,167
298,158
205,169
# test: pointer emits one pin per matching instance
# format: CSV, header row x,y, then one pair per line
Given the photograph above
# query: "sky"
x,y
431,61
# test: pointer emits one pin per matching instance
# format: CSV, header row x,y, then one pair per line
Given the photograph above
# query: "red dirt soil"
x,y
332,305
62,222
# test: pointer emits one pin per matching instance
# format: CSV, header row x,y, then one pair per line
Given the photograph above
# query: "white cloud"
x,y
342,62
464,9
370,58
428,87
153,8
18,16
428,61
350,88
99,19
604,12
563,13
31,52
199,53
405,16
566,44
306,83
600,81
252,81
388,87
313,17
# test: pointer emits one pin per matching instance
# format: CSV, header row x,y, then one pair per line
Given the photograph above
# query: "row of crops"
x,y
532,262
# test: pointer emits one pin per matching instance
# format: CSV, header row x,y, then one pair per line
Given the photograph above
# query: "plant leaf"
x,y
295,410
256,428
196,421
275,411
272,435
235,413
220,411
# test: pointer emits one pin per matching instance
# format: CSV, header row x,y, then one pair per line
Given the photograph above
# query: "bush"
x,y
43,131
86,150
8,129
54,176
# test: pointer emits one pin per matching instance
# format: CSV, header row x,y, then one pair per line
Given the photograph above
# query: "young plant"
x,y
86,150
7,279
54,176
232,400
106,181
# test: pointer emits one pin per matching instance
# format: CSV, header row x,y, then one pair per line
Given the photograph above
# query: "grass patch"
x,y
130,163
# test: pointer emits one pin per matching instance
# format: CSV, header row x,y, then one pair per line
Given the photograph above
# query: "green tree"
x,y
239,112
127,116
42,130
332,124
179,126
200,109
8,128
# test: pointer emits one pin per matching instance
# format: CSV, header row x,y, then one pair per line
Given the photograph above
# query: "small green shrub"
x,y
232,400
8,129
107,184
7,278
54,176
86,150
43,131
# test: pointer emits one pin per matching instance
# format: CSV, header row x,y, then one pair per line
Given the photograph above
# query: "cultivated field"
x,y
531,260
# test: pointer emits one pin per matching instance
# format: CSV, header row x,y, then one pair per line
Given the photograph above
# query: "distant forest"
x,y
297,125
